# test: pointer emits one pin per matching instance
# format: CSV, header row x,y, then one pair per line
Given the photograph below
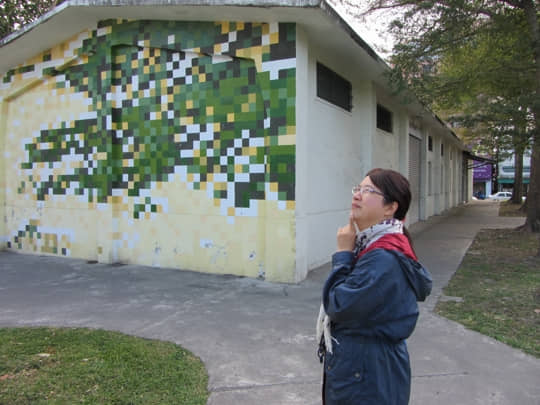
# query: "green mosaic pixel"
x,y
177,98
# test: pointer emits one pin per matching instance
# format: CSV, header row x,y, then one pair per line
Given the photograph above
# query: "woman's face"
x,y
368,206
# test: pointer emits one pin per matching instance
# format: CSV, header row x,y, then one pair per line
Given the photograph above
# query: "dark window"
x,y
384,118
442,149
430,143
333,88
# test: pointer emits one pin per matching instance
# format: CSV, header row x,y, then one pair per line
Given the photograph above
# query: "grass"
x,y
499,284
84,366
507,209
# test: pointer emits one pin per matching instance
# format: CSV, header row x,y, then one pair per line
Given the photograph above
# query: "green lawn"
x,y
83,366
499,284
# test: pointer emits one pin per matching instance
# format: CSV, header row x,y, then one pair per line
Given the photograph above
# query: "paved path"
x,y
256,338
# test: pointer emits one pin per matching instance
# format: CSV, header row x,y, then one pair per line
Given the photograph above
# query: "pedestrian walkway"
x,y
257,338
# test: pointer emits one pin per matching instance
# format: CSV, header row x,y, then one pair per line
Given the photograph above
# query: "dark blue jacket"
x,y
373,308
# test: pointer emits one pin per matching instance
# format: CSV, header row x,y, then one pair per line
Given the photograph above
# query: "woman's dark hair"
x,y
395,187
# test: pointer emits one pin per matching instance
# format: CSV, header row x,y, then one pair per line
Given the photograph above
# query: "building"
x,y
221,136
482,179
507,172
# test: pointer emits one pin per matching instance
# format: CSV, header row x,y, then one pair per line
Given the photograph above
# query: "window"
x,y
442,149
384,118
430,143
333,88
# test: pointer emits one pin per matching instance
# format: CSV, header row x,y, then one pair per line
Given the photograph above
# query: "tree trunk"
x,y
518,174
523,208
495,172
532,222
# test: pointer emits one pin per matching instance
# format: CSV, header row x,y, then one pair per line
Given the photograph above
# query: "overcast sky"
x,y
372,29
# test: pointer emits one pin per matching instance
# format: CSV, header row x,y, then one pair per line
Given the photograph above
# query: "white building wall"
x,y
391,150
302,151
429,175
402,132
433,159
336,148
457,155
449,175
334,152
386,150
416,131
441,186
439,179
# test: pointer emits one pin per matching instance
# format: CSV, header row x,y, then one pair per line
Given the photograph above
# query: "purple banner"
x,y
482,172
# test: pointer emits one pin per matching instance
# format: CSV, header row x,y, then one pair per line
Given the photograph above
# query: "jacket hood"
x,y
417,275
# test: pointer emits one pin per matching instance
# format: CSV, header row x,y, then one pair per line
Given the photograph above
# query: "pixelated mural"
x,y
205,107
39,239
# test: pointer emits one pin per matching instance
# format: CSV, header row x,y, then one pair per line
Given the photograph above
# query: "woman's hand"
x,y
346,236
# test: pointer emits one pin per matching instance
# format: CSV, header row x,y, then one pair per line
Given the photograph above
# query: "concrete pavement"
x,y
257,338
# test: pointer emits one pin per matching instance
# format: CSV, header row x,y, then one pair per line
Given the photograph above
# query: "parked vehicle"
x,y
500,196
480,195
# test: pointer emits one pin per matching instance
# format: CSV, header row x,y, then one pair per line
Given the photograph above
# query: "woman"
x,y
370,298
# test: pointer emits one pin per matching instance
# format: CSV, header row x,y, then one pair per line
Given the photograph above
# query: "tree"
x,y
502,79
493,127
447,52
16,13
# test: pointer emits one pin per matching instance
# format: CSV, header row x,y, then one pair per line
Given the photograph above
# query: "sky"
x,y
371,29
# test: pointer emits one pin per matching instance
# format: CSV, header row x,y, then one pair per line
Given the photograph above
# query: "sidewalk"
x,y
257,338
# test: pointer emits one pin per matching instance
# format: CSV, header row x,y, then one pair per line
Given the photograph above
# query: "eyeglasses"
x,y
364,190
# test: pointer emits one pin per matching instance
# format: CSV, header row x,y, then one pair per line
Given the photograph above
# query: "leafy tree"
x,y
16,13
496,127
465,54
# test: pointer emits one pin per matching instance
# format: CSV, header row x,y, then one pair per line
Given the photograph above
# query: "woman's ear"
x,y
390,209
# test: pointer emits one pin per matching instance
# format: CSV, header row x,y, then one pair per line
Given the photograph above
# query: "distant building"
x,y
482,179
507,172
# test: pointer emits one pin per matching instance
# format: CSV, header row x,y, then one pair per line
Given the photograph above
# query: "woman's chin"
x,y
358,222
